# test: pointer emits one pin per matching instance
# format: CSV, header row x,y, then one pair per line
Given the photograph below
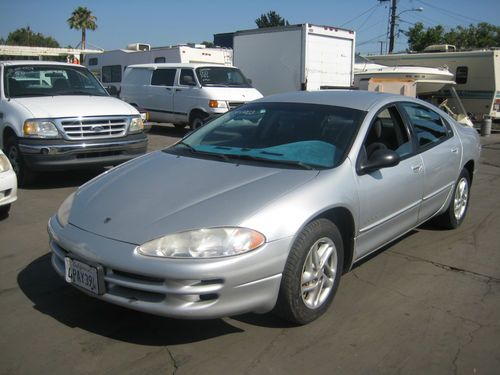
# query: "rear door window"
x,y
430,129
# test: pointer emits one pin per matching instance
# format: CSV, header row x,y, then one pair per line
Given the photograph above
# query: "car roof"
x,y
356,99
37,62
178,65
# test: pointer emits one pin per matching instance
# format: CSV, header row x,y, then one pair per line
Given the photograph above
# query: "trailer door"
x,y
329,61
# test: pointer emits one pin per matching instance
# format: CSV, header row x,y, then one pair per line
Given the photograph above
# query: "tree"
x,y
26,37
483,35
270,19
82,19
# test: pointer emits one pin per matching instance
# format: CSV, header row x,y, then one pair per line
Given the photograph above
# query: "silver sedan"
x,y
266,206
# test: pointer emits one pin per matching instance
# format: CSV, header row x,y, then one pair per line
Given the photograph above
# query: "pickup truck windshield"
x,y
49,80
221,77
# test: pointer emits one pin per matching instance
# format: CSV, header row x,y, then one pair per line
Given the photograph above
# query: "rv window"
x,y
111,73
159,60
163,77
93,61
461,74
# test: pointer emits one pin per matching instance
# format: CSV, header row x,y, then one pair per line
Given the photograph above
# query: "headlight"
x,y
217,104
64,210
40,129
4,163
204,243
136,125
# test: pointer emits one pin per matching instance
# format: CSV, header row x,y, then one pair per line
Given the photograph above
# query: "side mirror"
x,y
378,160
249,81
112,90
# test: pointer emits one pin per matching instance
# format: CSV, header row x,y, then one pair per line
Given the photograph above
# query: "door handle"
x,y
416,168
454,150
168,88
178,89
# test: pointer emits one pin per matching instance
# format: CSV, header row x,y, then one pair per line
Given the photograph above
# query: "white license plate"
x,y
81,274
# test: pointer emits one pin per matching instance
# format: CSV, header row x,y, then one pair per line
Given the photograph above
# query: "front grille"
x,y
233,105
94,128
132,286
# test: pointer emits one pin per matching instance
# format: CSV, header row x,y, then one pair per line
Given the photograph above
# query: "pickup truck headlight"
x,y
64,210
204,243
40,129
136,125
4,163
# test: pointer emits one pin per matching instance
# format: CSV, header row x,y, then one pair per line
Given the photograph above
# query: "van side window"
x,y
429,127
187,77
111,73
163,77
93,61
461,74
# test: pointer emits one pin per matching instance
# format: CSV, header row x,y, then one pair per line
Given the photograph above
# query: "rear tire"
x,y
24,175
455,214
312,273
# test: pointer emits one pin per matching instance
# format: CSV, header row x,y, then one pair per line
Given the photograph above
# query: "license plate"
x,y
82,275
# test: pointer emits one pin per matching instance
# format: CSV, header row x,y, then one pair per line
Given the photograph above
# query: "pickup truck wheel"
x,y
4,211
24,174
455,214
312,273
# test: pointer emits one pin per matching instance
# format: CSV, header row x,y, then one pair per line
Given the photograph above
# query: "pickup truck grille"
x,y
94,128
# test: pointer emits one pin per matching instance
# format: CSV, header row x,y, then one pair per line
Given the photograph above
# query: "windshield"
x,y
45,80
296,135
221,77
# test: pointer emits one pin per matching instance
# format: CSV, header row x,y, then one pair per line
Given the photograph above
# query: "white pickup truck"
x,y
57,116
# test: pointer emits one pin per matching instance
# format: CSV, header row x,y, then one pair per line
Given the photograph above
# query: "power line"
x,y
448,12
360,15
366,20
370,40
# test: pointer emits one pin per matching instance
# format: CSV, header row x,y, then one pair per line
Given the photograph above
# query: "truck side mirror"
x,y
112,90
188,80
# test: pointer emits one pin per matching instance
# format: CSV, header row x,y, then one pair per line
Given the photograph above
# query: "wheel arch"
x,y
7,132
343,218
196,112
469,166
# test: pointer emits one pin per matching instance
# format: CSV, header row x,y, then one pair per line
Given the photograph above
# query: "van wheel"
x,y
24,174
312,273
196,122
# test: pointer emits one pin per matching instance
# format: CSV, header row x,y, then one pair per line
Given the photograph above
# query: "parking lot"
x,y
429,303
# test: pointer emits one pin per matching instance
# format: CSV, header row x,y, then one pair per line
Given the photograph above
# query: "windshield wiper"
x,y
195,151
295,163
13,96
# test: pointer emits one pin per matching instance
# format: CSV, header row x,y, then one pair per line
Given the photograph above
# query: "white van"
x,y
57,116
185,93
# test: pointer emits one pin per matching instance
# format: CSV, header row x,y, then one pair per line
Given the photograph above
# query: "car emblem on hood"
x,y
97,129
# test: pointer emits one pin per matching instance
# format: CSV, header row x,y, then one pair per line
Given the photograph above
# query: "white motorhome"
x,y
298,57
109,66
477,74
186,93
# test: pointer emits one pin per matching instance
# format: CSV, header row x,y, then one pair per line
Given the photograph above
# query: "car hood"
x,y
75,106
161,193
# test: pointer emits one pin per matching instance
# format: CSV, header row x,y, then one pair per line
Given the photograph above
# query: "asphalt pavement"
x,y
427,304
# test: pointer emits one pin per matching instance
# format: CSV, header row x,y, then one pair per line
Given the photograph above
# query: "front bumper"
x,y
178,288
8,187
44,154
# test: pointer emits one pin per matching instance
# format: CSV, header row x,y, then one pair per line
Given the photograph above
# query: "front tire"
x,y
24,174
454,216
312,273
4,211
196,122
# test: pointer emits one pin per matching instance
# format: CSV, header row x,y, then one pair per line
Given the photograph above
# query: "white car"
x,y
8,185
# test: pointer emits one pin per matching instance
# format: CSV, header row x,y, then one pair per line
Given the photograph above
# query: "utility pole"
x,y
393,25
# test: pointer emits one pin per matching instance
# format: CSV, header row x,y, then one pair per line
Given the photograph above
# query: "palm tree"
x,y
82,19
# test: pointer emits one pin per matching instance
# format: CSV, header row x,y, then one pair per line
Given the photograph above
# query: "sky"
x,y
170,22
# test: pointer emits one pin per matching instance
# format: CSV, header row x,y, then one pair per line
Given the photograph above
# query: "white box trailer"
x,y
477,74
109,66
298,57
